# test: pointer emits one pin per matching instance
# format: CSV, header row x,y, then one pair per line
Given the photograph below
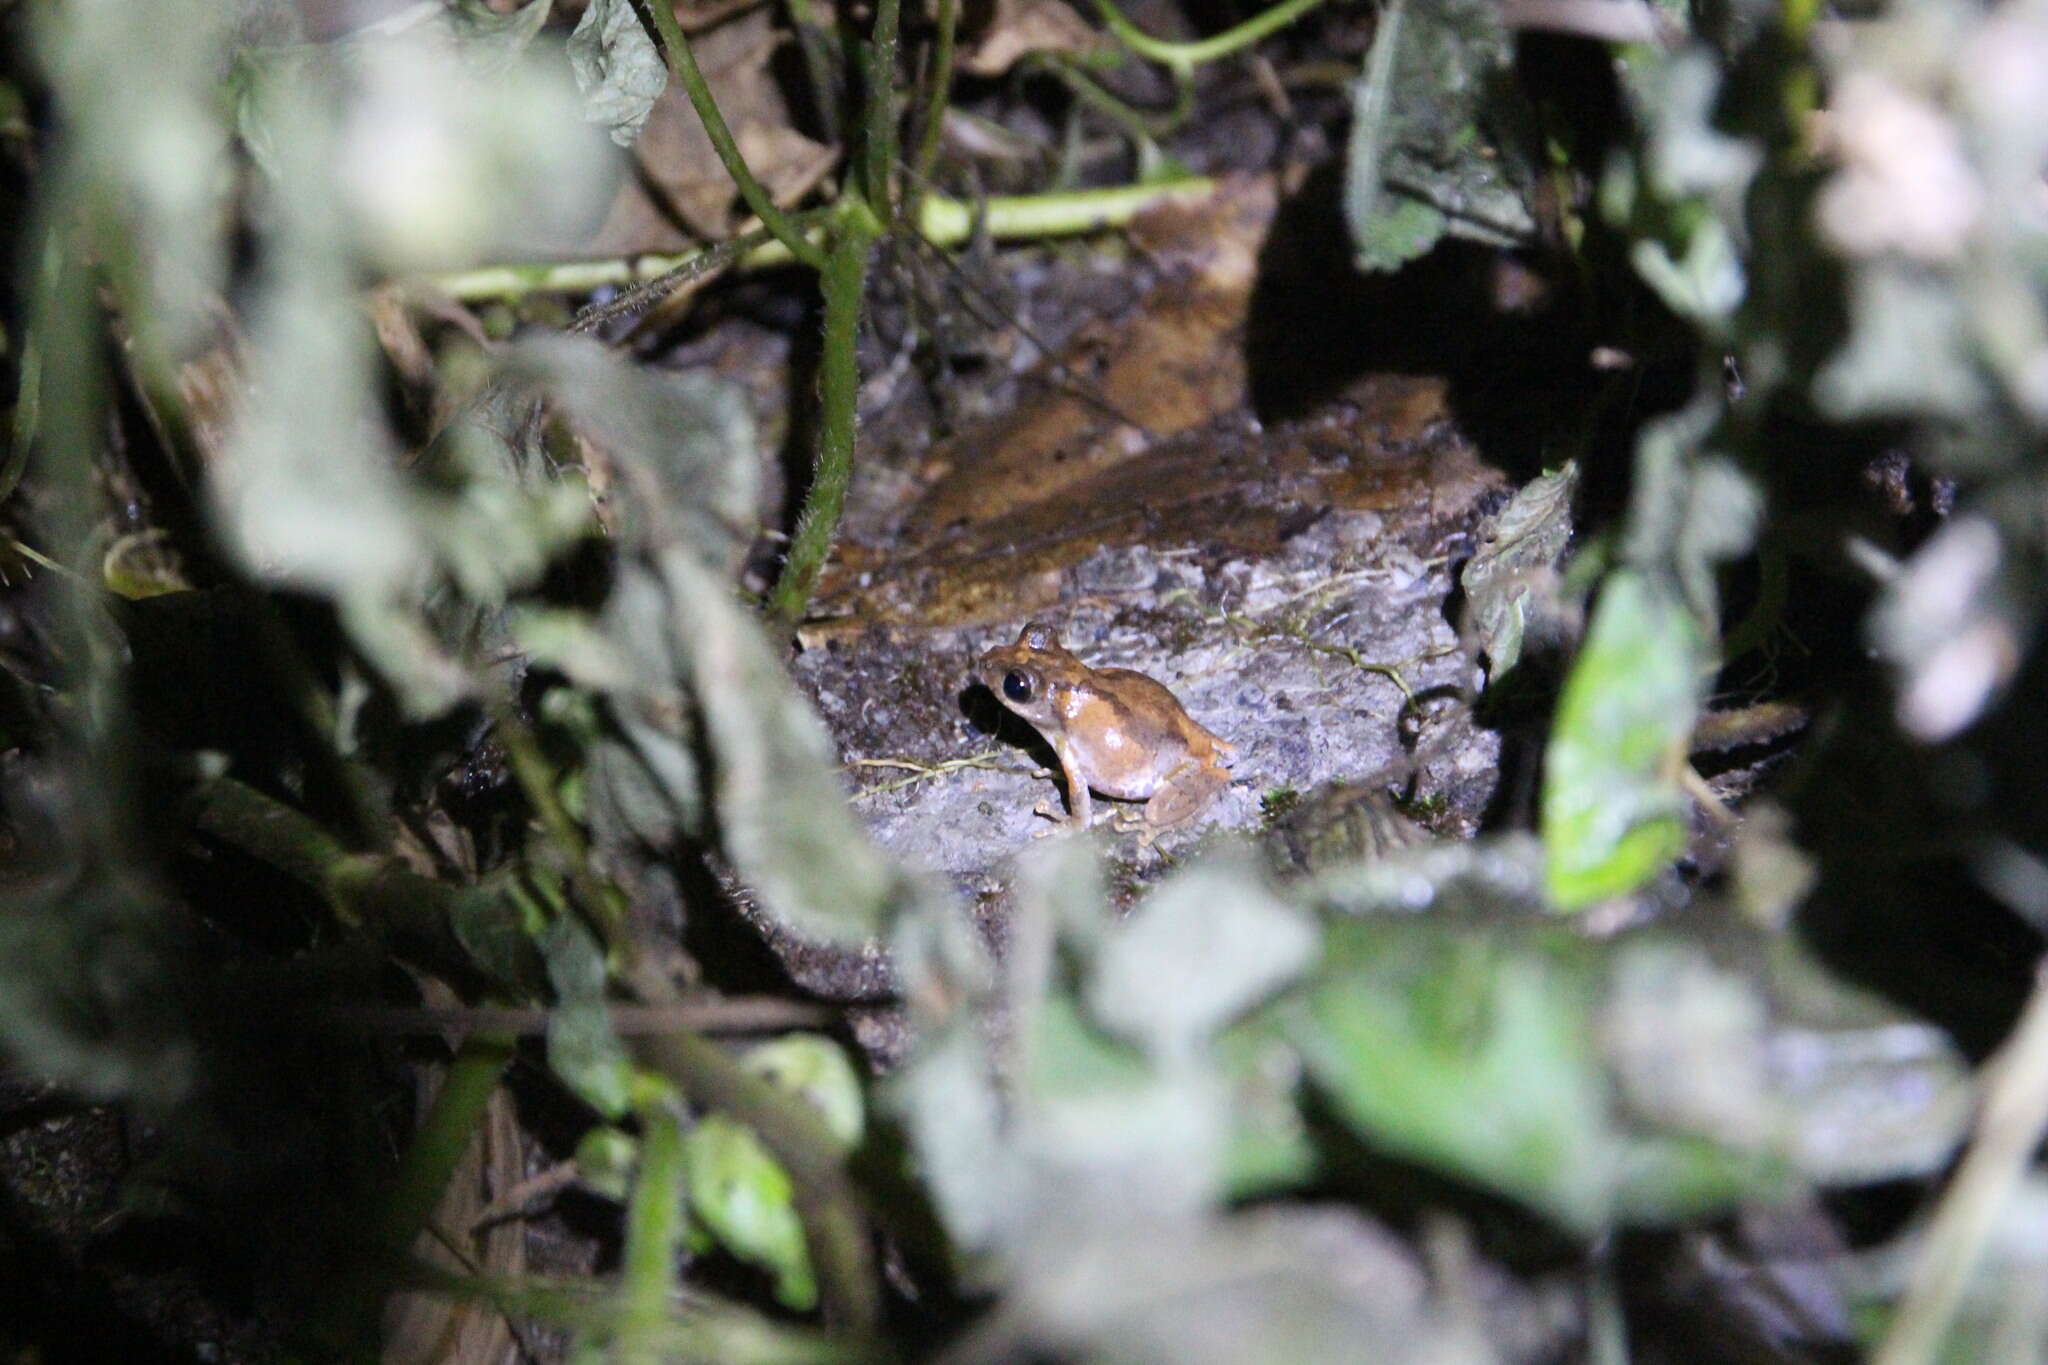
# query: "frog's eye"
x,y
1017,686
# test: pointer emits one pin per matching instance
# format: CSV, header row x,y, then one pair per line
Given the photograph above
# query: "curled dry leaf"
x,y
1022,27
684,193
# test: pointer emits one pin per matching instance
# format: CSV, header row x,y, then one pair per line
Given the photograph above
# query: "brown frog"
x,y
1114,729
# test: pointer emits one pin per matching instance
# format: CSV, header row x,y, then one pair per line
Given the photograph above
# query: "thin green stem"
x,y
345,1325
1138,124
2010,1124
536,779
640,297
360,888
879,62
682,63
937,95
835,1232
818,67
443,1136
843,282
1185,57
654,1229
947,222
941,220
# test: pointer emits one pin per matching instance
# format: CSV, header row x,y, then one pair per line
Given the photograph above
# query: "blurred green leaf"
x,y
687,439
89,993
947,1100
781,802
1909,351
1613,808
1440,135
1954,624
431,144
1680,196
1459,1054
487,924
1205,947
743,1196
1509,574
604,1161
138,87
582,1048
490,41
814,1067
1475,1051
618,68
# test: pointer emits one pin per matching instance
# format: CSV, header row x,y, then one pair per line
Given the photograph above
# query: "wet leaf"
x,y
1511,574
617,67
1613,809
739,1192
582,1048
1438,138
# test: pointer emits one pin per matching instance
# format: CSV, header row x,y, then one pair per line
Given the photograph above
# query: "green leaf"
x,y
1510,574
1476,1050
814,1067
1909,351
1613,810
1439,135
605,1158
582,1049
617,67
744,1197
687,440
781,803
88,994
1456,1053
1196,953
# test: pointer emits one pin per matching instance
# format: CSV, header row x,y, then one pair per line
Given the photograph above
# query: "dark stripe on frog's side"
x,y
1224,749
1101,715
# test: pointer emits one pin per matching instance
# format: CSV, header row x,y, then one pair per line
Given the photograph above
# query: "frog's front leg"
x,y
1079,804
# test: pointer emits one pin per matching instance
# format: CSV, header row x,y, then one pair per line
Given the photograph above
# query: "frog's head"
x,y
1021,675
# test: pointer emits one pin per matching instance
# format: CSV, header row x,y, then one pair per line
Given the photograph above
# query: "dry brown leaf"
x,y
1022,27
682,193
427,1329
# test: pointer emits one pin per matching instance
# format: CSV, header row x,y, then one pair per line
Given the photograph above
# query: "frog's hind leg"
x,y
1181,797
